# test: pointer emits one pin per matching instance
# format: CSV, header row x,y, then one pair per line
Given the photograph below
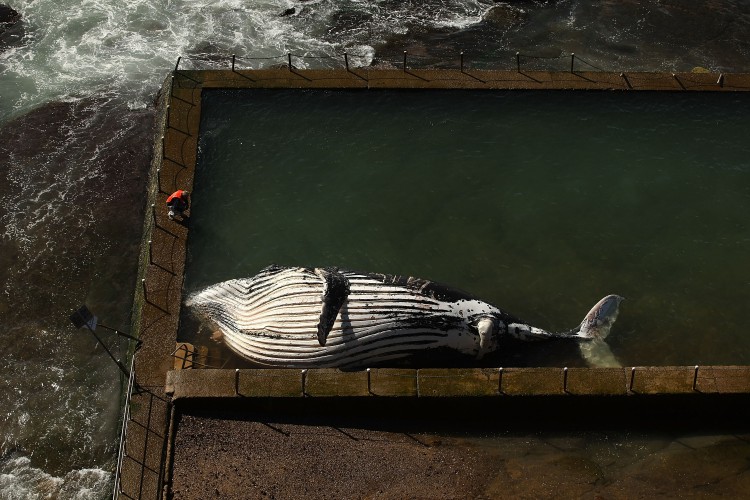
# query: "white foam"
x,y
20,480
86,47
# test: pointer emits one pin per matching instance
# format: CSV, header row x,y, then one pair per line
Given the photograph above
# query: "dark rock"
x,y
11,28
503,15
8,15
288,12
72,182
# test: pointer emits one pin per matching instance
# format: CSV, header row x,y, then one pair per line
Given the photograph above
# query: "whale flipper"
x,y
334,295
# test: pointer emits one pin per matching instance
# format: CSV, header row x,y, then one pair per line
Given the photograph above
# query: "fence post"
x,y
404,61
153,213
143,285
233,57
150,253
572,60
518,62
178,64
289,58
236,381
462,62
369,385
304,380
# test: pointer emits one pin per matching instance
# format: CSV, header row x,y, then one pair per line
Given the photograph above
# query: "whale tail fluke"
x,y
599,320
595,328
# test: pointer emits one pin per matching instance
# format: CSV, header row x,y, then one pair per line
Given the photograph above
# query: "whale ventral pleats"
x,y
334,295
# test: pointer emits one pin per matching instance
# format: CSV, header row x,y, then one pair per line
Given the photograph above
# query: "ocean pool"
x,y
539,202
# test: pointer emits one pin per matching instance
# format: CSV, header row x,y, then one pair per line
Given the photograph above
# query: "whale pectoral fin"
x,y
334,295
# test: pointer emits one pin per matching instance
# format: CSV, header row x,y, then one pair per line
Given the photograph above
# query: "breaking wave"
x,y
20,480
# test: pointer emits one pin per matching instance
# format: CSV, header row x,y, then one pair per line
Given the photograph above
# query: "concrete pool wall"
x,y
161,389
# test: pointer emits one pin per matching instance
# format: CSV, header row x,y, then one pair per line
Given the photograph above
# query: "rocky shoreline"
x,y
72,199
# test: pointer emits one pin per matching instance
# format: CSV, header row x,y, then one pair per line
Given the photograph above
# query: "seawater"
x,y
87,74
538,202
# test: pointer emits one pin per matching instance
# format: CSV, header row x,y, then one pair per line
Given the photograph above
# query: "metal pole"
x,y
150,253
169,109
369,385
233,56
158,178
178,64
289,58
346,60
304,380
143,285
237,382
500,380
565,379
720,81
153,213
117,361
518,62
632,378
462,62
404,61
572,60
121,334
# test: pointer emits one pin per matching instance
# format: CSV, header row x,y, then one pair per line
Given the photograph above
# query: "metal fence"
x,y
348,60
124,428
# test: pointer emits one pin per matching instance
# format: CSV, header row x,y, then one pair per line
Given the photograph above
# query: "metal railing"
x,y
124,428
344,59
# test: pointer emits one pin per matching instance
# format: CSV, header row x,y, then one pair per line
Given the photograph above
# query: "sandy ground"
x,y
233,455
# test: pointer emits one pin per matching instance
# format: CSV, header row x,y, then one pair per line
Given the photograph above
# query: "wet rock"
x,y
503,14
8,15
11,28
72,183
288,12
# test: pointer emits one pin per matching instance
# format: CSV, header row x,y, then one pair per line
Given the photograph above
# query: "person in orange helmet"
x,y
177,203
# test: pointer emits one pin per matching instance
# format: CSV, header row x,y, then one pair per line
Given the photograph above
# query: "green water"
x,y
538,202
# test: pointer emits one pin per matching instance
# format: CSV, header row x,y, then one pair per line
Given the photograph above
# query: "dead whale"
x,y
327,317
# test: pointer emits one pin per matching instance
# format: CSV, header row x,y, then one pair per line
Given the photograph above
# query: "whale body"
x,y
327,317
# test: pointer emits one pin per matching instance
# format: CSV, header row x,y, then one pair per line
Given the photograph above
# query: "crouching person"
x,y
177,203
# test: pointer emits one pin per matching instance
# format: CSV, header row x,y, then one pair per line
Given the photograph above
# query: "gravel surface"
x,y
248,455
249,459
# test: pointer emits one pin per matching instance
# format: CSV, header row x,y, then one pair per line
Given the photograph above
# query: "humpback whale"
x,y
328,317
